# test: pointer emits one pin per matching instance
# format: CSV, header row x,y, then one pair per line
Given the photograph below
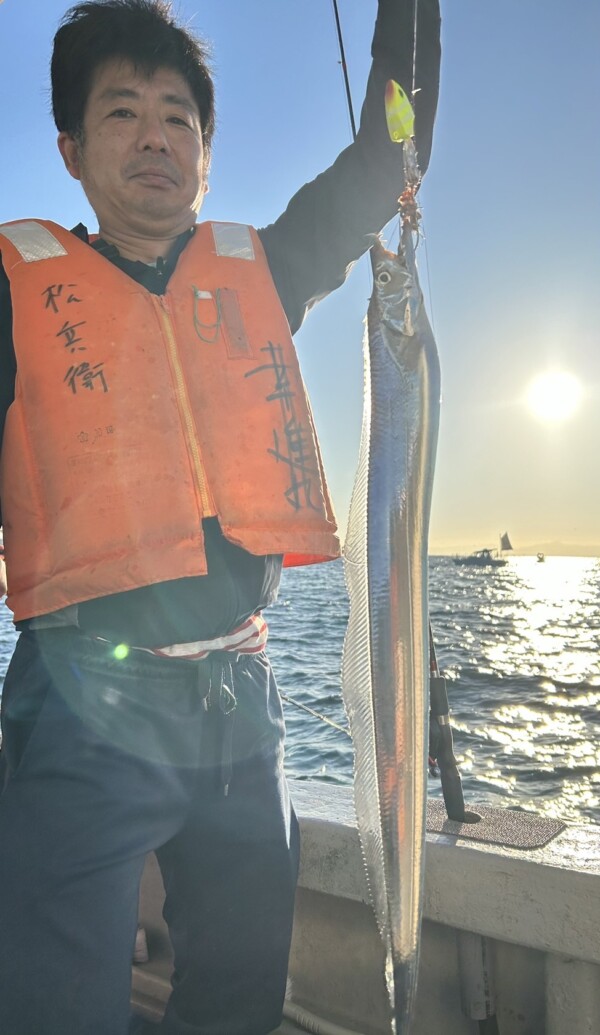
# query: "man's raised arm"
x,y
326,225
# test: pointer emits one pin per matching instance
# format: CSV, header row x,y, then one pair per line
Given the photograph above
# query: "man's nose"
x,y
152,135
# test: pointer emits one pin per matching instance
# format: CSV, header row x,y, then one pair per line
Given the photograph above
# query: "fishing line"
x,y
413,95
317,715
414,69
429,291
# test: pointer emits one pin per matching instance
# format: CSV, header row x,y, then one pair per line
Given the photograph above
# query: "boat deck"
x,y
537,905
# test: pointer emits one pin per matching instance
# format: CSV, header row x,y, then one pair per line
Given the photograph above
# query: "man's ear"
x,y
70,154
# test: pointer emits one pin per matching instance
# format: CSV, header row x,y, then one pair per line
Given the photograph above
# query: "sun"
x,y
555,396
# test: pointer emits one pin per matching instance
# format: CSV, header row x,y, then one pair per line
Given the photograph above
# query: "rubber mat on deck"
x,y
495,826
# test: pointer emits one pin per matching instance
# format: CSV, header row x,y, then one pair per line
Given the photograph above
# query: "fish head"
x,y
396,294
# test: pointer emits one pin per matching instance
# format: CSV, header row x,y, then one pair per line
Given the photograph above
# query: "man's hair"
x,y
140,31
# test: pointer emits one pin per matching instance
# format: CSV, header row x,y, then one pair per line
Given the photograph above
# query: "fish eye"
x,y
384,278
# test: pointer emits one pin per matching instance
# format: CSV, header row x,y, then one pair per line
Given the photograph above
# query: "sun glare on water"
x,y
555,396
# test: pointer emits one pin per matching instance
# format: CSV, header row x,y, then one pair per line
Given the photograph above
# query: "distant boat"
x,y
541,558
487,558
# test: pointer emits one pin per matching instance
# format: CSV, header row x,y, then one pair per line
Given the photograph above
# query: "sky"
x,y
511,211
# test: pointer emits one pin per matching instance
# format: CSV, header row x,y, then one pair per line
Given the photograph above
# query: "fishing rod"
x,y
338,25
443,752
475,963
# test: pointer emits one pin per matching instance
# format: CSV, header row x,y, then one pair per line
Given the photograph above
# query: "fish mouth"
x,y
379,252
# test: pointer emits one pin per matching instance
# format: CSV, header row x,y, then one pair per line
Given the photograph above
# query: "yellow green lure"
x,y
398,112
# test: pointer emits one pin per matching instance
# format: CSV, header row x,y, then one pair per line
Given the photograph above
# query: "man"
x,y
158,461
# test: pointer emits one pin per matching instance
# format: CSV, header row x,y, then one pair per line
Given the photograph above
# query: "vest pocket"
x,y
236,340
218,316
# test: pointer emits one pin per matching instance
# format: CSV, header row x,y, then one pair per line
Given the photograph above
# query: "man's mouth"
x,y
154,178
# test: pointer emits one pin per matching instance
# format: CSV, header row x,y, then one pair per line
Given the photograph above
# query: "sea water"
x,y
520,649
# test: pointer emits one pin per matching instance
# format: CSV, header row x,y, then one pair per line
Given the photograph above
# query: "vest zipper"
x,y
164,314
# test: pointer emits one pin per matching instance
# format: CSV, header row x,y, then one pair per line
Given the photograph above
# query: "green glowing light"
x,y
121,651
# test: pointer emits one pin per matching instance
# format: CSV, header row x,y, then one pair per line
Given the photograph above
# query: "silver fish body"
x,y
385,666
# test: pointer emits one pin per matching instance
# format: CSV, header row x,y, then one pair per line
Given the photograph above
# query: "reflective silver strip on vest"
x,y
233,241
32,241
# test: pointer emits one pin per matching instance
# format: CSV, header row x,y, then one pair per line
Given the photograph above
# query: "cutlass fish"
x,y
385,666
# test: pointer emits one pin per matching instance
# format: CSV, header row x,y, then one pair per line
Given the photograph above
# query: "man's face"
x,y
141,159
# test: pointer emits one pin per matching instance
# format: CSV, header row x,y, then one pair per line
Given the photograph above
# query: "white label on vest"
x,y
32,241
233,241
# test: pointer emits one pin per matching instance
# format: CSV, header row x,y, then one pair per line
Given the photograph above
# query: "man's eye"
x,y
121,113
179,121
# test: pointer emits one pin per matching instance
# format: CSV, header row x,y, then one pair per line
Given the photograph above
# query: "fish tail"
x,y
404,994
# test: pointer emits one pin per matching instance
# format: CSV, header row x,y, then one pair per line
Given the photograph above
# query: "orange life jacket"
x,y
136,415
